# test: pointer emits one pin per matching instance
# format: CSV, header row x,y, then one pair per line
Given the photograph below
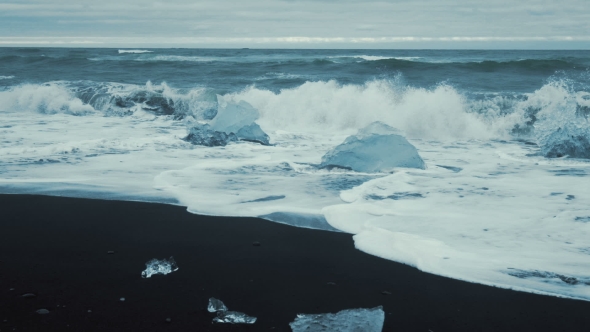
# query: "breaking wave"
x,y
442,112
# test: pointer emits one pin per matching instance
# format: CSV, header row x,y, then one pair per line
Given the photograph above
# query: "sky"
x,y
528,24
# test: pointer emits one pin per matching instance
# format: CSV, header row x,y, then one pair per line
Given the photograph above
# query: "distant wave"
x,y
376,58
134,51
156,58
280,76
547,66
6,77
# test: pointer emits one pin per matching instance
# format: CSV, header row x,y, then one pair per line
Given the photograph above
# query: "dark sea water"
x,y
230,70
504,135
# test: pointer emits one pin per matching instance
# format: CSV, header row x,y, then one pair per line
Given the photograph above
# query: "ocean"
x,y
504,135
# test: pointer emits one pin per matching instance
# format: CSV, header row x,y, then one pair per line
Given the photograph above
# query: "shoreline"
x,y
56,248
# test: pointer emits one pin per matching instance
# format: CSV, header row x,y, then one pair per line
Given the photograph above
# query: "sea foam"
x,y
486,209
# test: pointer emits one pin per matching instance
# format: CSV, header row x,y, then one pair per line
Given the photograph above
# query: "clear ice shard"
x,y
216,305
351,320
375,148
233,122
233,317
226,316
159,266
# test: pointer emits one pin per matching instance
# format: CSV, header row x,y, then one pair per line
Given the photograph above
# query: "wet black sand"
x,y
57,249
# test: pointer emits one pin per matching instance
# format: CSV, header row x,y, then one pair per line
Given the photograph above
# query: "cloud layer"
x,y
295,22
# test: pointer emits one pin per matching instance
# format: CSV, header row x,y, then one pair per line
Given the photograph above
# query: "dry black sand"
x,y
57,249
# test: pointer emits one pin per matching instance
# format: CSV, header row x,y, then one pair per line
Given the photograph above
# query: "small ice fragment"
x,y
157,266
233,317
122,299
216,305
89,310
11,289
352,320
110,252
225,316
42,311
168,320
29,295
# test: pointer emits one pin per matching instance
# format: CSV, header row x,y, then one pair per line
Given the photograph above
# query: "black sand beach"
x,y
56,248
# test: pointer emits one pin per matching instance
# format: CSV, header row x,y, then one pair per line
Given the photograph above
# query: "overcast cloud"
x,y
298,23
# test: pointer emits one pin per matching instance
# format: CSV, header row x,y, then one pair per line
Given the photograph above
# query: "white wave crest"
x,y
376,58
6,77
153,58
562,128
441,112
134,51
47,98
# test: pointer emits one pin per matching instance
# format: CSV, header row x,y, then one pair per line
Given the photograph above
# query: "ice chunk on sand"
x,y
216,305
233,317
157,266
233,122
351,320
375,148
225,316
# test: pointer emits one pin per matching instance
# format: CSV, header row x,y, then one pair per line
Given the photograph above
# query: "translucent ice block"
x,y
157,266
351,320
225,316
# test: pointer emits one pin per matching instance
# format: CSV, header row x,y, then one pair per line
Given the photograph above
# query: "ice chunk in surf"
x,y
375,148
233,122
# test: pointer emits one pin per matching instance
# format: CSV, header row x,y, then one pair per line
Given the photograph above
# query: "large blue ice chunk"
x,y
233,122
231,117
375,148
202,134
352,320
562,128
566,142
564,131
239,118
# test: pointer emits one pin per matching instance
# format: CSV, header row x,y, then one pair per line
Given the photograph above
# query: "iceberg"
x,y
351,320
375,148
233,122
226,316
157,266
